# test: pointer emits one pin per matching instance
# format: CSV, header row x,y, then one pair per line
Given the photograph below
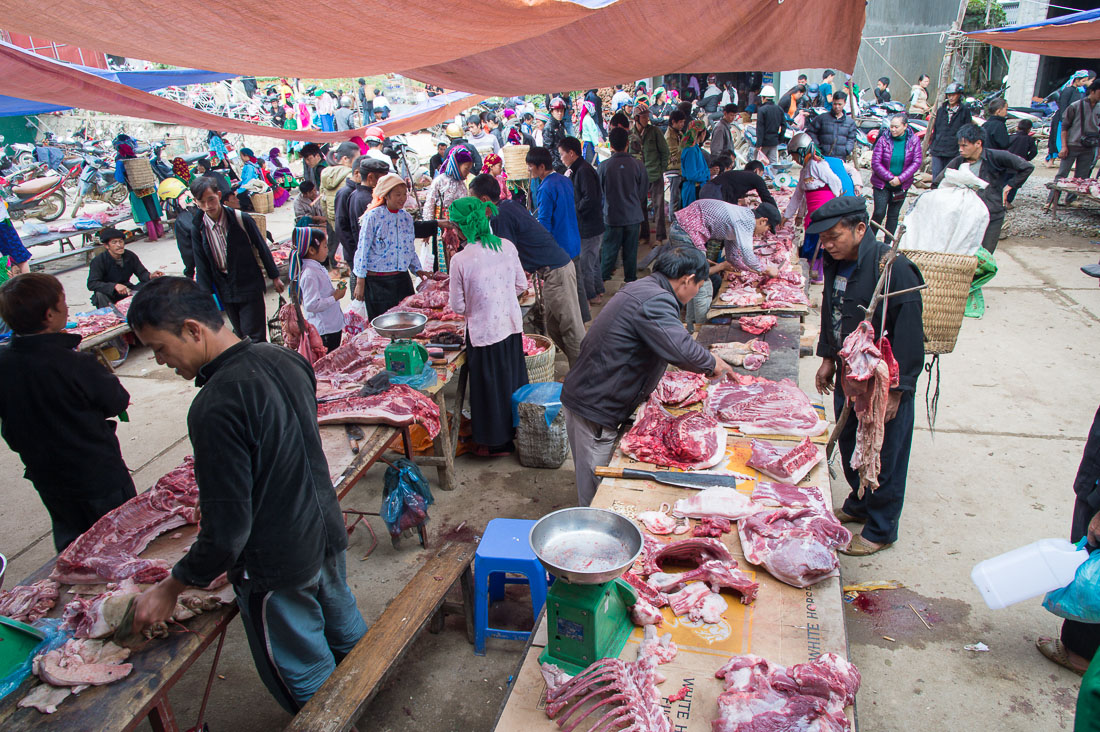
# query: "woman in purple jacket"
x,y
896,159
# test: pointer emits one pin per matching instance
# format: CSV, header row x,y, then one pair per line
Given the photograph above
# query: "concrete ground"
x,y
1017,398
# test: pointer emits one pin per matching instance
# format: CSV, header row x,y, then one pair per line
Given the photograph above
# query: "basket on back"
x,y
515,161
949,277
139,174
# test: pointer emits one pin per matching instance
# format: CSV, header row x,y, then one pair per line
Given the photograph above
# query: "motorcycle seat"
x,y
35,186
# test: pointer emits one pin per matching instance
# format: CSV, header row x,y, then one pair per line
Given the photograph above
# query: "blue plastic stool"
x,y
505,547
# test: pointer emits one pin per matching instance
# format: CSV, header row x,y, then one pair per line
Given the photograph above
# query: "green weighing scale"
x,y
404,356
588,606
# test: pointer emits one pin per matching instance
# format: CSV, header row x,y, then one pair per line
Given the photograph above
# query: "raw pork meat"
x,y
645,592
765,407
82,663
692,552
807,697
624,694
434,330
46,698
531,347
786,464
717,574
400,405
123,305
691,440
780,293
643,613
110,549
689,597
751,355
719,501
785,495
795,545
741,296
712,526
354,362
680,388
659,522
757,324
87,325
430,298
870,371
27,603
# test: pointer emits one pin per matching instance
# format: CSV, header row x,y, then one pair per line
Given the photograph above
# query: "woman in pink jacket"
x,y
896,159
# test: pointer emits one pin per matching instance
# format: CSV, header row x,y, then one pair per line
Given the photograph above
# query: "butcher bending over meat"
x,y
269,515
628,347
852,260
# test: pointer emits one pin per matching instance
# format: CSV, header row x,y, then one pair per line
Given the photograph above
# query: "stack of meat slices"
x,y
681,388
693,440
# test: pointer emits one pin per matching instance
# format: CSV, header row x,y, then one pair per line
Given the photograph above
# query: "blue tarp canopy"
x,y
144,80
1076,35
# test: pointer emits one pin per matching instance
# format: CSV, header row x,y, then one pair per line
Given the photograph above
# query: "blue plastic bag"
x,y
55,638
1080,599
546,393
406,496
426,379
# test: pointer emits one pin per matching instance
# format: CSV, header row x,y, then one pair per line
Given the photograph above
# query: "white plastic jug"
x,y
1027,572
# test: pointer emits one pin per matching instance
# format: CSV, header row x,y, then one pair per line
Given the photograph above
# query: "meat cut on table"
x,y
659,522
623,694
88,325
764,407
719,501
806,697
783,462
690,552
434,298
111,549
716,574
785,495
781,293
712,526
757,324
400,406
27,603
796,545
354,362
680,388
73,667
751,355
691,440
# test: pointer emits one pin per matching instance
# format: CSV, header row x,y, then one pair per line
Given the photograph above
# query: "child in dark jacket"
x,y
1023,144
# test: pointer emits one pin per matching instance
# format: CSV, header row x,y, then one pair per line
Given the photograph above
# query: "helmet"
x,y
768,91
453,130
812,88
800,144
374,134
345,101
954,88
557,103
170,188
640,109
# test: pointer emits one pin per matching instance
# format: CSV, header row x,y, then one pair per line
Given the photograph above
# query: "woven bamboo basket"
x,y
948,277
261,221
540,367
139,173
515,161
263,203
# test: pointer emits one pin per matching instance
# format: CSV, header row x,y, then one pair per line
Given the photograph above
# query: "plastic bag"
x,y
546,394
949,220
987,267
1080,599
406,496
55,638
426,379
355,319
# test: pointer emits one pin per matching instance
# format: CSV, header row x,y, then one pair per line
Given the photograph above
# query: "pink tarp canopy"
x,y
1076,35
486,46
30,76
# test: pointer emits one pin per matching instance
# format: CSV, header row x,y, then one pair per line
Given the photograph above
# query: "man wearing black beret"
x,y
853,259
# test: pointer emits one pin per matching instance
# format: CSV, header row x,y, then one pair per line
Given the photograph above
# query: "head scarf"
x,y
181,169
542,117
641,99
384,185
514,137
246,152
588,109
1082,74
489,161
458,156
125,151
273,157
363,148
693,134
658,92
299,241
509,113
471,215
674,94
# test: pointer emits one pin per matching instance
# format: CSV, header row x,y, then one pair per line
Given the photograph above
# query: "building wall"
x,y
1023,68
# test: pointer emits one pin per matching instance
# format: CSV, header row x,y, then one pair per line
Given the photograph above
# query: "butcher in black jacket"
x,y
733,185
1003,171
1080,641
111,273
57,410
228,246
852,268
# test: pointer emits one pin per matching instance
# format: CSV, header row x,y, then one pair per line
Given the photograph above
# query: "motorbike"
x,y
41,198
96,182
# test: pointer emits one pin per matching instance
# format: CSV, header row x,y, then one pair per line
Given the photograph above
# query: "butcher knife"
x,y
355,436
681,480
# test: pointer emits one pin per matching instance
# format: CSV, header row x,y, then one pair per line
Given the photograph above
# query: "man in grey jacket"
x,y
1080,137
626,351
721,140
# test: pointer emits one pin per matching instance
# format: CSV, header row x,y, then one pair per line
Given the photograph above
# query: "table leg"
x,y
210,679
463,377
103,358
444,447
161,716
467,580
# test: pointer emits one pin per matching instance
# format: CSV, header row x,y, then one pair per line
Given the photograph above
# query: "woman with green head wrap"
x,y
486,277
693,163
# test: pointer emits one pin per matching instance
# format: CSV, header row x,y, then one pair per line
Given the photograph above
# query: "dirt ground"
x,y
1017,397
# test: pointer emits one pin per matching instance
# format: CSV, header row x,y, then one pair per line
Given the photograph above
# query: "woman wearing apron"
x,y
817,183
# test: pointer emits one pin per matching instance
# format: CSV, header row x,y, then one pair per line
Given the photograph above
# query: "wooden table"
x,y
64,238
447,440
783,340
1058,197
97,341
125,704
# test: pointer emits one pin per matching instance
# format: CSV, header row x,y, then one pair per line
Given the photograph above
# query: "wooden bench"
x,y
83,255
345,695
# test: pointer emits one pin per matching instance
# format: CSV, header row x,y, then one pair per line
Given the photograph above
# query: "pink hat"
x,y
509,113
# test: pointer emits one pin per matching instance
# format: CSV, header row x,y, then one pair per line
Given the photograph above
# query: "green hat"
x,y
319,93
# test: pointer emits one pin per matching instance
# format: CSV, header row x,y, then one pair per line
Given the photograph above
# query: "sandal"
x,y
860,547
847,518
1053,649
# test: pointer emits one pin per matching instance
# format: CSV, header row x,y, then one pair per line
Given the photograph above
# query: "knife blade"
x,y
697,481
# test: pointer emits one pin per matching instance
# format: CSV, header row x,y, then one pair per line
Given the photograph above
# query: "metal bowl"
x,y
586,546
399,325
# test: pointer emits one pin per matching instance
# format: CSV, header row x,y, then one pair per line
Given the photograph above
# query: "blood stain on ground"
x,y
872,615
